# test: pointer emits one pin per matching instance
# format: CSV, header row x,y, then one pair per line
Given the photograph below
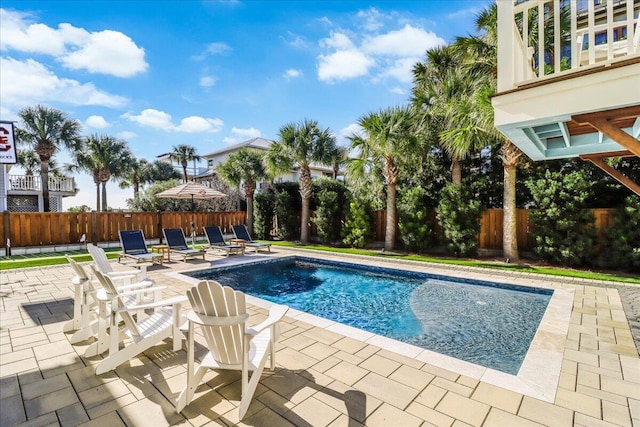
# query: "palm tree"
x,y
339,158
29,160
47,130
86,162
300,144
183,154
389,139
245,167
140,173
482,59
442,88
104,157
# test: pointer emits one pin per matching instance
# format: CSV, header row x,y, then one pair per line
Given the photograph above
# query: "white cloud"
x,y
337,41
239,135
401,69
405,42
398,91
385,55
127,135
343,65
218,48
29,82
246,133
325,20
106,52
350,130
163,121
295,40
462,13
16,33
195,124
292,73
96,122
207,81
372,19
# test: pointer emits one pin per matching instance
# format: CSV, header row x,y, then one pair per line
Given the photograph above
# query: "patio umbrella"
x,y
193,191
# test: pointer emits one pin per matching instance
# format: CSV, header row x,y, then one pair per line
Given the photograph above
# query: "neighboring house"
x,y
217,157
591,110
23,193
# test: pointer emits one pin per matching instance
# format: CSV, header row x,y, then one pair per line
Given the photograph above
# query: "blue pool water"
x,y
484,323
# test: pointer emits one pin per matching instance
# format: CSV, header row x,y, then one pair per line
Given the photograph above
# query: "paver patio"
x,y
326,376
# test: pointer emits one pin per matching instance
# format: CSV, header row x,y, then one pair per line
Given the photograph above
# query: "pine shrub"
x,y
264,203
563,227
357,230
416,229
459,216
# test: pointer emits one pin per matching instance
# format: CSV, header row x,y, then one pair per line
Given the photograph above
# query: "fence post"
x,y
7,233
160,225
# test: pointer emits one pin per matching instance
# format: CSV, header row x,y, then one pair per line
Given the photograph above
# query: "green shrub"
x,y
264,203
622,247
459,216
563,227
288,222
416,229
329,201
357,231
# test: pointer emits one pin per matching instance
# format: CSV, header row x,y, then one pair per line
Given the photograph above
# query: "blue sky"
x,y
213,73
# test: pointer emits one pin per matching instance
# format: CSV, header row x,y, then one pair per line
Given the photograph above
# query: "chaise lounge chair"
x,y
134,246
216,241
222,315
178,244
241,232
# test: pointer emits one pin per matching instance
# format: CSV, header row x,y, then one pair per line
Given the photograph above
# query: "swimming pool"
x,y
481,322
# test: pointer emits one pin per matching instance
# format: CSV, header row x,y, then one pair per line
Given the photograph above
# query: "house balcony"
x,y
31,184
572,88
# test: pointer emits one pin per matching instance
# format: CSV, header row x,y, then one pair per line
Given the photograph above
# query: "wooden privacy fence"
x,y
63,228
491,232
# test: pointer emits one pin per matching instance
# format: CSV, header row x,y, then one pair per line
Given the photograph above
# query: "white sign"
x,y
8,153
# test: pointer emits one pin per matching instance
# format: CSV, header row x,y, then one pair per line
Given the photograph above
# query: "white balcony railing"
x,y
541,38
33,183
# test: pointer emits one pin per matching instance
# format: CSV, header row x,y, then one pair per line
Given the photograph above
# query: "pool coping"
x,y
539,373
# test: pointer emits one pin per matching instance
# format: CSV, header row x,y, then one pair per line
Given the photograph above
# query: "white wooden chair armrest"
x,y
139,285
276,313
162,303
202,319
142,291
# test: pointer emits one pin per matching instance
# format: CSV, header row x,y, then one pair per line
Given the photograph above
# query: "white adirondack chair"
x,y
143,334
104,266
85,306
222,315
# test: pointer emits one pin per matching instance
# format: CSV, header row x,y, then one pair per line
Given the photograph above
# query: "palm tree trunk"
x,y
44,180
97,196
510,155
510,236
104,196
305,194
250,215
456,171
390,234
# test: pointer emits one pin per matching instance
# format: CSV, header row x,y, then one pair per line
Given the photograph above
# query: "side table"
x,y
162,249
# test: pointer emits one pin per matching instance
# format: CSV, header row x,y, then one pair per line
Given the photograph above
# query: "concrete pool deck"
x,y
584,366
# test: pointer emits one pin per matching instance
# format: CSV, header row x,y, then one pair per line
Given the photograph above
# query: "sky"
x,y
214,73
